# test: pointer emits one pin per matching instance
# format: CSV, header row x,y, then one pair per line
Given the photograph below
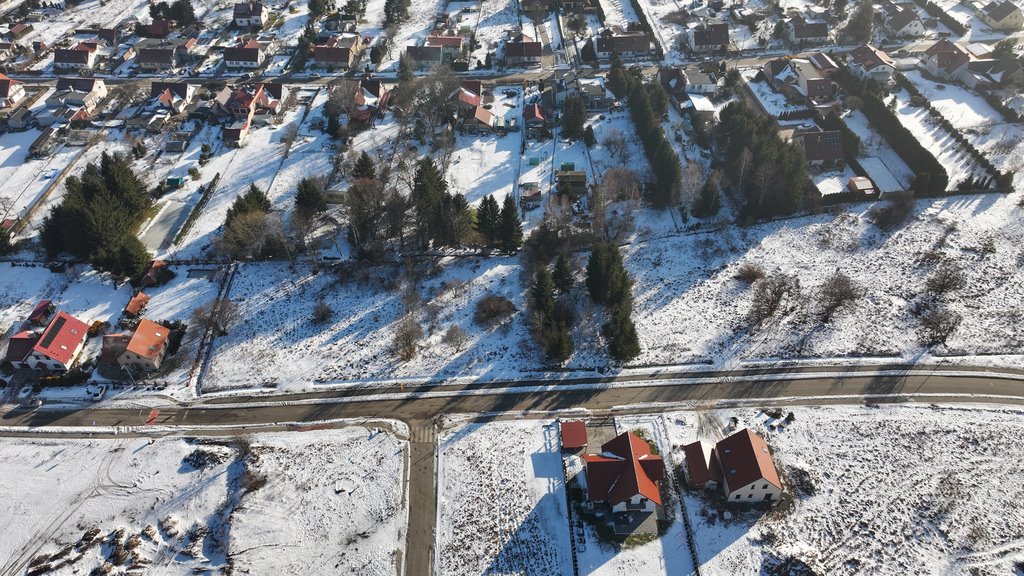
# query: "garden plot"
x,y
24,178
501,500
690,307
878,490
334,502
772,102
669,34
872,144
311,155
668,554
256,163
412,32
498,18
21,287
958,163
483,165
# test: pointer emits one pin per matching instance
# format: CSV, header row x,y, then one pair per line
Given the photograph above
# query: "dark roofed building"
x,y
574,435
710,37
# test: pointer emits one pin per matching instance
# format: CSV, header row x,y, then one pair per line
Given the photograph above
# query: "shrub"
x,y
892,213
455,337
322,312
938,324
750,272
492,309
407,334
948,277
768,295
838,291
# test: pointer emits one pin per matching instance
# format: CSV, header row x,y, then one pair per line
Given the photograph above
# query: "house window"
x,y
765,487
737,497
750,495
768,496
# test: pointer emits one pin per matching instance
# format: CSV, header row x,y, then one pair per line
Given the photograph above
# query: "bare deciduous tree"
x,y
217,316
455,337
938,324
839,290
615,143
767,297
948,277
407,335
750,272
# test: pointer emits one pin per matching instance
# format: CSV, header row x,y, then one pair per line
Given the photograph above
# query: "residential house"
x,y
158,29
247,104
59,345
748,472
571,182
699,82
804,32
86,93
18,31
43,145
573,435
701,469
105,36
468,97
481,122
146,348
339,51
824,64
451,46
158,274
1002,15
867,62
902,20
625,43
710,37
20,120
821,147
250,14
11,92
673,80
42,313
945,60
8,51
246,54
625,475
81,56
523,51
990,73
156,54
136,305
174,96
20,345
425,56
372,99
534,118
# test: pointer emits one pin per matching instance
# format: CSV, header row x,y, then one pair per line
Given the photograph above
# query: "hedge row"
x,y
936,11
902,140
208,191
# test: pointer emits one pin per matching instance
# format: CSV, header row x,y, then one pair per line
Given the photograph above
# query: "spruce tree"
x,y
364,167
574,115
597,273
558,342
488,218
542,294
428,192
562,274
620,331
310,197
510,234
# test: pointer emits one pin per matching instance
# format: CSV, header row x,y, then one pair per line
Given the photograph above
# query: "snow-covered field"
x,y
334,502
618,12
501,504
179,505
896,489
690,308
25,179
958,163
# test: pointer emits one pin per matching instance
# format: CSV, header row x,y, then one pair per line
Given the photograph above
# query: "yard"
x,y
895,489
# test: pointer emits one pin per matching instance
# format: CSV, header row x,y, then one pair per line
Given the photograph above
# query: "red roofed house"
x,y
451,46
59,345
136,305
40,315
11,92
340,51
482,121
372,98
625,475
147,347
81,56
20,345
174,96
467,97
159,29
159,273
748,472
866,61
702,470
574,435
945,60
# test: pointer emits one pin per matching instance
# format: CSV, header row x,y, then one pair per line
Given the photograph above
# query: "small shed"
x,y
574,435
861,185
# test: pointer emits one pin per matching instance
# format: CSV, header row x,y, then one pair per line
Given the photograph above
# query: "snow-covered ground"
x,y
25,179
873,145
334,502
501,500
895,489
618,12
482,165
181,505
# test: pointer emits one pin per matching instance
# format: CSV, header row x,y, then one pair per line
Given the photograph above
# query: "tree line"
x,y
609,284
98,217
647,104
771,174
